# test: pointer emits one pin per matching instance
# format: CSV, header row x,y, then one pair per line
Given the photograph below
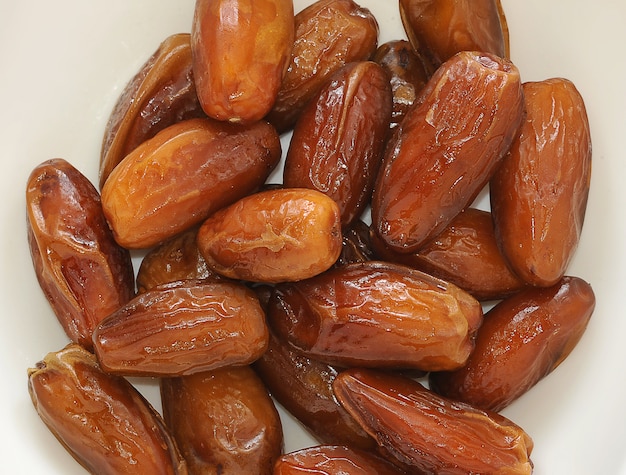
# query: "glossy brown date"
x,y
460,128
183,174
357,245
224,421
333,460
539,192
522,340
83,272
432,433
303,386
241,51
183,328
101,419
273,236
162,93
441,28
338,140
377,314
328,35
466,254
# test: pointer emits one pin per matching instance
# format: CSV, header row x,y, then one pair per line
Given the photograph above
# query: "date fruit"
x,y
183,328
377,314
446,149
523,339
101,419
241,51
83,272
273,236
338,140
183,174
432,433
539,193
224,421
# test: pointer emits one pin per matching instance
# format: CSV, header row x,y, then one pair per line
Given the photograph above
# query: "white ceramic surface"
x,y
62,65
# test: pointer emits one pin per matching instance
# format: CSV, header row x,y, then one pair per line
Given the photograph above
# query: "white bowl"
x,y
63,65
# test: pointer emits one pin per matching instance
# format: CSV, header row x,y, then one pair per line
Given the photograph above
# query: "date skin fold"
x,y
224,421
447,148
432,433
522,340
83,272
101,419
377,314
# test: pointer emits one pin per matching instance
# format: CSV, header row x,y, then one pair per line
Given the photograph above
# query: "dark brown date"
x,y
356,244
83,272
183,328
101,419
162,93
432,433
377,314
539,192
460,128
328,35
338,140
224,421
522,340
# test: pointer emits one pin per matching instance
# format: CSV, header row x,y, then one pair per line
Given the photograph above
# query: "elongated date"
x,y
224,421
101,419
432,433
83,272
523,339
377,314
183,328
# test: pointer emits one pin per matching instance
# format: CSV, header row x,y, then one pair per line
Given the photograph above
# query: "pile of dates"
x,y
354,292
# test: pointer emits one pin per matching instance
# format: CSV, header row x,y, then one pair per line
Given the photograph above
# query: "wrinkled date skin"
x,y
430,432
303,386
83,272
377,314
523,339
447,148
333,460
539,193
183,328
441,28
328,35
273,236
176,179
101,419
162,93
356,244
466,254
338,141
176,259
224,421
408,74
241,51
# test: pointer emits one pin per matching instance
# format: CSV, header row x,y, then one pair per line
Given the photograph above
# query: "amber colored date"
x,y
432,433
224,421
101,419
539,192
460,128
377,314
523,339
83,272
241,51
333,460
183,174
338,140
441,28
328,35
183,328
162,93
466,254
273,236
